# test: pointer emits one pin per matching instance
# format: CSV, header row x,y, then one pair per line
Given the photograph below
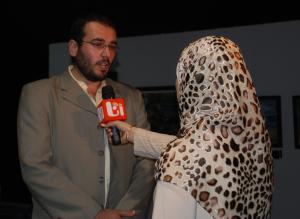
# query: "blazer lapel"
x,y
73,93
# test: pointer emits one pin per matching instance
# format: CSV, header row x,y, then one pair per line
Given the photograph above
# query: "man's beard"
x,y
86,70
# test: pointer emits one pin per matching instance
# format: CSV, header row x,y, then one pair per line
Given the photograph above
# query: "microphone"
x,y
111,109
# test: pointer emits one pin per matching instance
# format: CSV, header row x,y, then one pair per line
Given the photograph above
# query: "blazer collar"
x,y
72,92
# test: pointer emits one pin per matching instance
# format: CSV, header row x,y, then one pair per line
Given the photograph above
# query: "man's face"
x,y
97,52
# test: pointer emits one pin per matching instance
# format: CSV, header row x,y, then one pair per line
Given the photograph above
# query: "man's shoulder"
x,y
42,87
44,83
38,84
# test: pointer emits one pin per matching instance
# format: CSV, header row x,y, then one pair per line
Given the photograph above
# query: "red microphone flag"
x,y
111,110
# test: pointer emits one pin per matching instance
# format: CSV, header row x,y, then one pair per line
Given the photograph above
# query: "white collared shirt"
x,y
96,101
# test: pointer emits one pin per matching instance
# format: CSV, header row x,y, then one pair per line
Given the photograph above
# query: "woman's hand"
x,y
126,131
114,214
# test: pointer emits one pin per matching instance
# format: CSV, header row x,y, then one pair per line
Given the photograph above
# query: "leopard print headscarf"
x,y
223,155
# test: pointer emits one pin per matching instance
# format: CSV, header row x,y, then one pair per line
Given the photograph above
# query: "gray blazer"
x,y
61,152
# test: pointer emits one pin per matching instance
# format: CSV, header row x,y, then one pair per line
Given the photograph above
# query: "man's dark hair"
x,y
77,28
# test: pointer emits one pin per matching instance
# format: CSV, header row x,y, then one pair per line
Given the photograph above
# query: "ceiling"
x,y
48,21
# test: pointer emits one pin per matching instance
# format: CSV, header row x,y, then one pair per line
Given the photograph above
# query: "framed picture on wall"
x,y
162,109
271,110
296,110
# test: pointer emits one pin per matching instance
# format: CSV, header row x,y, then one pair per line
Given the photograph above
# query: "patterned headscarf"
x,y
223,155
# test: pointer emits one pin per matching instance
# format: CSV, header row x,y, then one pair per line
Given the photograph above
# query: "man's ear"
x,y
73,48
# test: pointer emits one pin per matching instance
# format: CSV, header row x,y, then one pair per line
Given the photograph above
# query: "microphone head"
x,y
108,92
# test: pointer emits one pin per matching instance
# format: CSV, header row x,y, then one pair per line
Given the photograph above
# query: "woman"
x,y
220,165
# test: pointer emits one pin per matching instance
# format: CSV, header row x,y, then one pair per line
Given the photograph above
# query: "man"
x,y
66,162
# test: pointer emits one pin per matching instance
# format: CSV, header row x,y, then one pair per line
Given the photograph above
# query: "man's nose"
x,y
105,51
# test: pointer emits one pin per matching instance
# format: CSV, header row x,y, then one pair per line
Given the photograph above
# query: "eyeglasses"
x,y
99,45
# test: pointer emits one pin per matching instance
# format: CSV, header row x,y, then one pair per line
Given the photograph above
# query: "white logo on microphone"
x,y
114,109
